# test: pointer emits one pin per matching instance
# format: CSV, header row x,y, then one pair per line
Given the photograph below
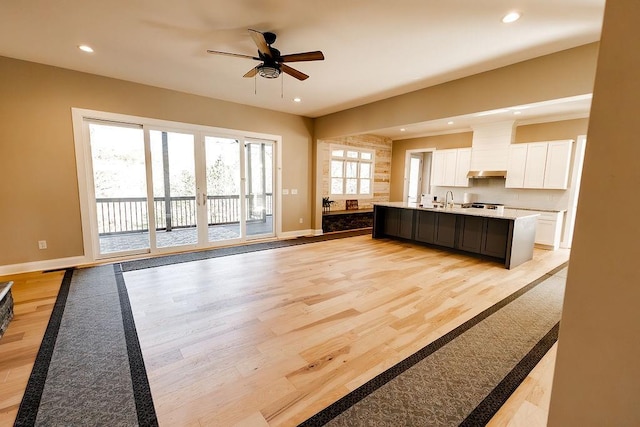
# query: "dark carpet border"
x,y
483,413
234,250
141,388
338,407
30,403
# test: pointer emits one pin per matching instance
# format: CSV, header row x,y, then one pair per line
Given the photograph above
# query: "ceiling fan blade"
x,y
259,40
252,72
304,56
293,72
239,55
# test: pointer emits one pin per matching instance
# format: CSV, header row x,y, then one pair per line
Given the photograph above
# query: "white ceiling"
x,y
373,48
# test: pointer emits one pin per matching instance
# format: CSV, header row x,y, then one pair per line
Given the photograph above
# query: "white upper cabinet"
x,y
450,167
450,158
556,174
463,163
515,166
536,161
542,165
437,168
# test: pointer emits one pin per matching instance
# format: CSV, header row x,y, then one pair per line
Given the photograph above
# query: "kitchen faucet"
x,y
446,198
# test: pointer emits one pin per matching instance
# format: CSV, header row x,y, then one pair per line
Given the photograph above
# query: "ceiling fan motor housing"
x,y
269,37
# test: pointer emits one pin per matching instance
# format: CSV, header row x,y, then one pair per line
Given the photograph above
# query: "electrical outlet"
x,y
42,244
300,220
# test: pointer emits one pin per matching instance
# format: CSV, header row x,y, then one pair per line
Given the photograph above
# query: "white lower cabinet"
x,y
548,228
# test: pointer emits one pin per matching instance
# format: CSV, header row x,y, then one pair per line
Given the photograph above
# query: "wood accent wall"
x,y
382,168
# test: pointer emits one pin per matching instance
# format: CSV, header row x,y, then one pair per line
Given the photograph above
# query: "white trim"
x,y
50,264
318,232
296,233
85,178
574,191
359,160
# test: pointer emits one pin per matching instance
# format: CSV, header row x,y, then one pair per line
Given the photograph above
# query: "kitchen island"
x,y
507,236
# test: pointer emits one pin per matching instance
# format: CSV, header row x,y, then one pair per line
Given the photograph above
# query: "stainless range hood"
x,y
487,174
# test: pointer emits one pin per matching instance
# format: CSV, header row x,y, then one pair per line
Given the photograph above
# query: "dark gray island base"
x,y
507,237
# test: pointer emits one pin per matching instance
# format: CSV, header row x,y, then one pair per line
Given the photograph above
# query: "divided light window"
x,y
351,171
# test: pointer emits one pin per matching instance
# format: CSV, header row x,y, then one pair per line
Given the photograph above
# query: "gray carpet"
x,y
89,381
87,370
464,377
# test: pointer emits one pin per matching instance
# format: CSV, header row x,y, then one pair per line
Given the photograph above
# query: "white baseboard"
x,y
318,232
50,264
294,234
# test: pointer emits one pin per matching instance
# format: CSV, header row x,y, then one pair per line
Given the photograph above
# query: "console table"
x,y
347,220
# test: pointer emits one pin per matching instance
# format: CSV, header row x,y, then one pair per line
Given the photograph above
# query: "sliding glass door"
x,y
259,187
173,173
121,215
223,196
158,190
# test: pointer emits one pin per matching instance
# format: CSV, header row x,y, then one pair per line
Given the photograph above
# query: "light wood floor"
x,y
34,295
270,338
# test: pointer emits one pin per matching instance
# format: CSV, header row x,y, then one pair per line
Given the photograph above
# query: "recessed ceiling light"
x,y
402,129
85,48
511,17
450,122
297,99
517,112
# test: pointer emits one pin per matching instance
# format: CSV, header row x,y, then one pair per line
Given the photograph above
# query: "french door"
x,y
158,189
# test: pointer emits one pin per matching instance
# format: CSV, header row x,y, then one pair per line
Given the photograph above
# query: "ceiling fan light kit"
x,y
268,72
273,63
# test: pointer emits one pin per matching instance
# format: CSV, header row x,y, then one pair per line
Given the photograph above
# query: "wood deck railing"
x,y
130,214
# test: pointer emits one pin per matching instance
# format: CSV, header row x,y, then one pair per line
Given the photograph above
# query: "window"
x,y
351,171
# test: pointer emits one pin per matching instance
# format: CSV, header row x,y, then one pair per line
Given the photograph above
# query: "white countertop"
x,y
535,209
489,213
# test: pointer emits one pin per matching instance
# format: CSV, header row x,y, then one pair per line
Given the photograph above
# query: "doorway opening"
x,y
417,175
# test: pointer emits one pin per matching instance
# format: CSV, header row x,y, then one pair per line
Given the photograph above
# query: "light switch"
x,y
285,191
294,191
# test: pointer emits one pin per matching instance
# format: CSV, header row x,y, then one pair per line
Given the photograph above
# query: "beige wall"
x,y
559,75
382,148
597,375
550,131
39,189
399,152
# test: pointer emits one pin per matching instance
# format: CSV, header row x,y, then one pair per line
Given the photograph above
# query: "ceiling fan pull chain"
x,y
282,87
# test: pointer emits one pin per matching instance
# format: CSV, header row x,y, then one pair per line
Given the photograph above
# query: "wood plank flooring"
x,y
34,296
270,338
528,406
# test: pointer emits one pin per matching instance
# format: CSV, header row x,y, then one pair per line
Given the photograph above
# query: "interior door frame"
x,y
574,191
407,169
85,174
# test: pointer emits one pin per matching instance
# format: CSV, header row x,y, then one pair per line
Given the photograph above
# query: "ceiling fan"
x,y
273,63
